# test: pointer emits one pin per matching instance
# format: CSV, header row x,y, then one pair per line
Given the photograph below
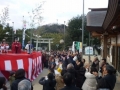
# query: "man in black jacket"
x,y
48,83
67,78
19,76
109,77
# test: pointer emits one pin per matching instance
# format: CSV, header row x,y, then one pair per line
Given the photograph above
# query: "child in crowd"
x,y
11,77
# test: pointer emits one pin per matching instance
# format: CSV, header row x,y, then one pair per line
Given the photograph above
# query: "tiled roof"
x,y
96,18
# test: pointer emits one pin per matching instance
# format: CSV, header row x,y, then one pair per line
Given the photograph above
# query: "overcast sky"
x,y
53,10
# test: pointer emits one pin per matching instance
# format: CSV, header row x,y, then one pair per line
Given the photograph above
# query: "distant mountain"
x,y
52,28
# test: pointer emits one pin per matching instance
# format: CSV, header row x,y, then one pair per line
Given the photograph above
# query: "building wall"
x,y
118,39
114,52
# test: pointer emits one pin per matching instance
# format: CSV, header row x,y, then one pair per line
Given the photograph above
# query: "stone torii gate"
x,y
44,40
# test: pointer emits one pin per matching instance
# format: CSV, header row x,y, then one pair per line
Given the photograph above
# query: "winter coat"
x,y
110,81
90,82
59,82
47,85
70,60
14,85
103,89
11,79
96,64
65,63
70,88
73,73
80,77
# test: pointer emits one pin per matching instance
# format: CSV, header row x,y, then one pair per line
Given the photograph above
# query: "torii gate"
x,y
44,40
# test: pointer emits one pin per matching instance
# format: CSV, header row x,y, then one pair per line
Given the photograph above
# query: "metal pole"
x,y
64,35
23,35
89,47
31,36
13,32
82,29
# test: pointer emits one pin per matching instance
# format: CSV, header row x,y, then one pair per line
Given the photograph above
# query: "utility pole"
x,y
82,29
23,36
64,35
13,32
89,47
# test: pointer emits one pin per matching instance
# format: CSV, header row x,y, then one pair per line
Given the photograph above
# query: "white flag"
x,y
73,47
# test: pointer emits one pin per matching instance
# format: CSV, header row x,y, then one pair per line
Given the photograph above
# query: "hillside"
x,y
51,28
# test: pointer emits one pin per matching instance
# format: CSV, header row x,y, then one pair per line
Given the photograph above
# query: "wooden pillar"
x,y
101,47
116,50
105,46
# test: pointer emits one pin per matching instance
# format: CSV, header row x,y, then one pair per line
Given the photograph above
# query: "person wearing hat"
x,y
16,46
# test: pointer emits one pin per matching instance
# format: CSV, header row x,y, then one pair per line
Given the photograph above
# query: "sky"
x,y
53,11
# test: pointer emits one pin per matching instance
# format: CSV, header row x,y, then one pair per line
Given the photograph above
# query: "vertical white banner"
x,y
38,66
30,68
20,64
8,65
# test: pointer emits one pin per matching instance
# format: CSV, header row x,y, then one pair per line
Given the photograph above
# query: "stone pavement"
x,y
117,86
35,83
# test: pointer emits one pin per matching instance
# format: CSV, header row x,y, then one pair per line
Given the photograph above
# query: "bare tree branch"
x,y
4,17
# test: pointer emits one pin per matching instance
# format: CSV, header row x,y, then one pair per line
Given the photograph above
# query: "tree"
x,y
35,16
74,29
56,39
51,31
6,33
4,17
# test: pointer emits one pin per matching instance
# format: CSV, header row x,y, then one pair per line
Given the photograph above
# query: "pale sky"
x,y
52,10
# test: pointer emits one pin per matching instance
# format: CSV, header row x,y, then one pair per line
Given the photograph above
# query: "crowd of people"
x,y
67,71
70,72
17,80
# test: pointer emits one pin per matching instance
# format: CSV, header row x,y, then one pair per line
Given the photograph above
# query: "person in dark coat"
x,y
52,65
96,63
70,59
71,70
43,60
67,79
65,63
109,77
19,76
48,83
103,64
2,83
80,74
